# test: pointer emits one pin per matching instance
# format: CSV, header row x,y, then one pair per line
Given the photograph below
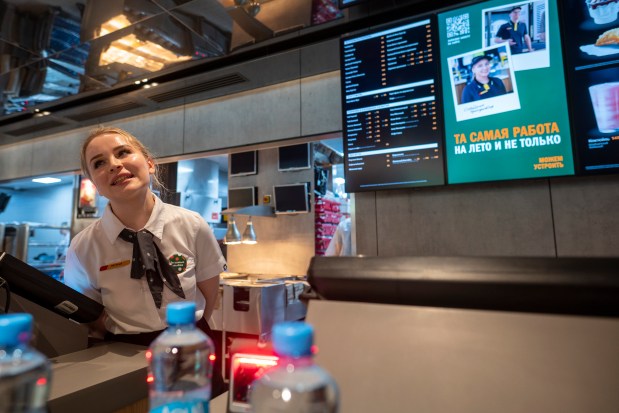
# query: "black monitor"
x,y
47,292
592,69
292,198
581,286
242,197
244,163
391,106
294,157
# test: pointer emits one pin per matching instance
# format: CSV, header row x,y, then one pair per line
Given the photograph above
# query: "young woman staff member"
x,y
482,85
142,253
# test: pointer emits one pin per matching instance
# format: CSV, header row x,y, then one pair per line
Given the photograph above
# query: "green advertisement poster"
x,y
504,92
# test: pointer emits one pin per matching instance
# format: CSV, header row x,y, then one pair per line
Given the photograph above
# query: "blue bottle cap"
x,y
181,312
293,339
15,328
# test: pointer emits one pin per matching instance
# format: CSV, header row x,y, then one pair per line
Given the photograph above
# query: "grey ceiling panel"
x,y
34,128
103,111
212,84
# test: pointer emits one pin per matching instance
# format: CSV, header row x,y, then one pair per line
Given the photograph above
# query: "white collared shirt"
x,y
341,243
99,266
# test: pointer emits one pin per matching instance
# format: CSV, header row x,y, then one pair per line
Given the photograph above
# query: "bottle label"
x,y
192,406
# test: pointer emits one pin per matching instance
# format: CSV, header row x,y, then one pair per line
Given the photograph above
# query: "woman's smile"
x,y
115,164
122,178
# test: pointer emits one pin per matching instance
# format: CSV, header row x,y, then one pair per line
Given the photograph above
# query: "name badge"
x,y
115,265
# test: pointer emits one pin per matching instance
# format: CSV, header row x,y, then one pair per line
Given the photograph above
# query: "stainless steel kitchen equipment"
x,y
253,308
252,304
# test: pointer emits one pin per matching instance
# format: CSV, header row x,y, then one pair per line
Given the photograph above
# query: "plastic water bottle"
x,y
25,374
180,364
296,384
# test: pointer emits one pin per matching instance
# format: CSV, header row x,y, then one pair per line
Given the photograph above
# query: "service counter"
x,y
111,377
104,378
108,377
418,334
468,334
472,335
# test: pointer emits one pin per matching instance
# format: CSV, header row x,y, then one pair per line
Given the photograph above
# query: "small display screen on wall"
x,y
504,91
292,198
592,60
244,163
242,197
294,157
391,108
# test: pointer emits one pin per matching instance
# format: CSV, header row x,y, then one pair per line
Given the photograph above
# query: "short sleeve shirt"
x,y
515,32
99,266
341,243
475,91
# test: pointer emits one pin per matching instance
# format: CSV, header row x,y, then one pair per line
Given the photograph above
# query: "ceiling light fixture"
x,y
249,235
184,169
46,180
135,52
233,236
251,7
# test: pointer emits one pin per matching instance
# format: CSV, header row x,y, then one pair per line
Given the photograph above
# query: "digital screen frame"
x,y
242,197
592,69
291,198
294,157
391,106
521,131
244,163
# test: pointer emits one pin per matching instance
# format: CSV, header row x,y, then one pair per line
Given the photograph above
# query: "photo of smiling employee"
x,y
142,253
515,33
482,85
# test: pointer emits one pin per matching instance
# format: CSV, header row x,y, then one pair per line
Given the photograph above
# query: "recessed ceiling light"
x,y
46,180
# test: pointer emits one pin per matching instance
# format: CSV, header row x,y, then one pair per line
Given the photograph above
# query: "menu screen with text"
x,y
592,62
391,108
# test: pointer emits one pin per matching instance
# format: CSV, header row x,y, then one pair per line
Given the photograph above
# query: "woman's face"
x,y
118,169
481,69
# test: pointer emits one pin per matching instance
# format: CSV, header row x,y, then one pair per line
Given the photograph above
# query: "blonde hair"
x,y
132,140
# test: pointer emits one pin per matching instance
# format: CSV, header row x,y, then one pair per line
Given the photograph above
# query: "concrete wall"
x,y
538,218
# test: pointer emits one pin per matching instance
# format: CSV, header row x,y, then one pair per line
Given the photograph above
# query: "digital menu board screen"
x,y
504,92
592,60
391,108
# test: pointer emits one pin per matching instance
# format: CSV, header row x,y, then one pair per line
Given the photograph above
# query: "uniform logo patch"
x,y
178,262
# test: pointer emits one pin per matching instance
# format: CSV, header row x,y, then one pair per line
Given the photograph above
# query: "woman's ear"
x,y
151,166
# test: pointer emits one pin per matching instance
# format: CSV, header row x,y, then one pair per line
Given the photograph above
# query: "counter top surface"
x,y
219,404
80,379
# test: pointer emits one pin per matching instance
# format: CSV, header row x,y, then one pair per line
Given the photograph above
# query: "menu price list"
x,y
392,133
